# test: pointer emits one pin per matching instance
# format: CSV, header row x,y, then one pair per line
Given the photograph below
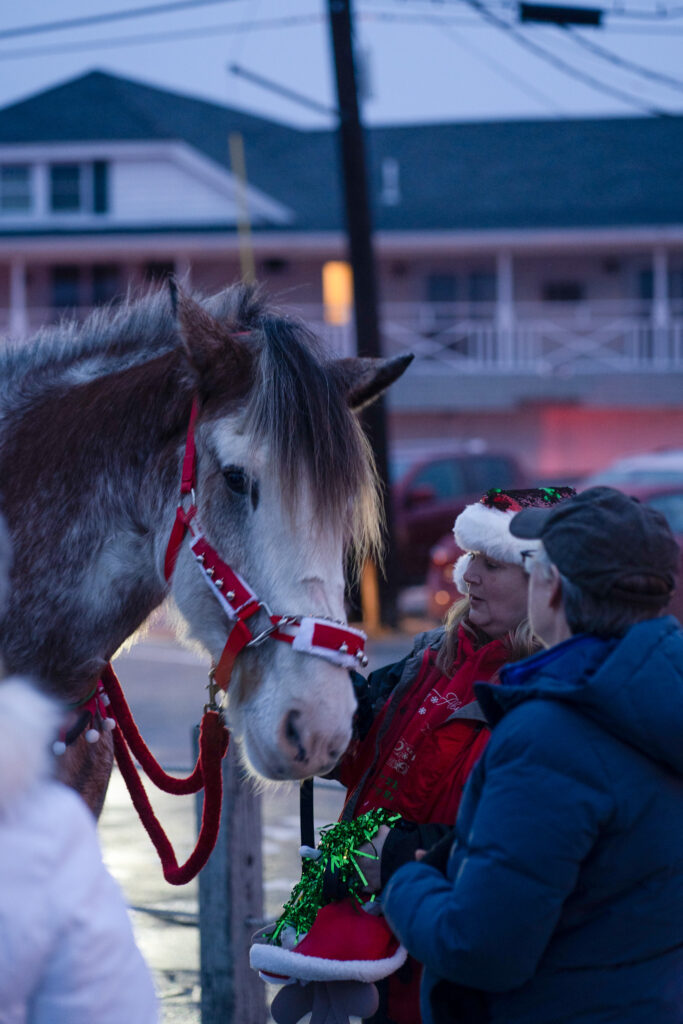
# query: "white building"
x,y
534,267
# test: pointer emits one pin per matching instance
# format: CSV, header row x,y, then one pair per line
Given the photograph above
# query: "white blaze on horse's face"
x,y
300,723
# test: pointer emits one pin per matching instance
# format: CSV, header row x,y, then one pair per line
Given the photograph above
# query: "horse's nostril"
x,y
291,730
293,736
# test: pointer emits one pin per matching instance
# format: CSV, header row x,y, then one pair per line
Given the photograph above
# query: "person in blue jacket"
x,y
562,898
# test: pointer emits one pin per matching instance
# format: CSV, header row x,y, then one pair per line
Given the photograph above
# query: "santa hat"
x,y
348,941
485,525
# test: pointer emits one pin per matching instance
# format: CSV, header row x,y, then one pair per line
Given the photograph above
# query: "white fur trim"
x,y
459,570
287,964
479,528
28,723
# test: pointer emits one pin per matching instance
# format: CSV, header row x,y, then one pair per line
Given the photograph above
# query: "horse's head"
x,y
285,491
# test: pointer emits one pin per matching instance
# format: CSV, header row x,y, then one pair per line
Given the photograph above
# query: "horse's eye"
x,y
236,479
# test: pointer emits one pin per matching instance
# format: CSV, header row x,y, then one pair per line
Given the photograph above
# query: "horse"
x,y
93,422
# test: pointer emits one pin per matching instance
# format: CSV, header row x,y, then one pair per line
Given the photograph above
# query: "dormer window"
x,y
15,188
79,188
66,188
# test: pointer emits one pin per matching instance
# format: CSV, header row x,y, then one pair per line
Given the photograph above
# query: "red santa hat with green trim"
x,y
485,525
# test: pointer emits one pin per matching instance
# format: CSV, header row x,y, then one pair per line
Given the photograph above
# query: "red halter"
x,y
336,642
340,644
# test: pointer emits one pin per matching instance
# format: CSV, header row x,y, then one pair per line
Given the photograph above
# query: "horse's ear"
x,y
209,345
365,379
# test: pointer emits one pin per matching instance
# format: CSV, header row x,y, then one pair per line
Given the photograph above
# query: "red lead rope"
x,y
213,744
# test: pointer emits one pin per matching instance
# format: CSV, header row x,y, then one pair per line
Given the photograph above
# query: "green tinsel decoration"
x,y
339,848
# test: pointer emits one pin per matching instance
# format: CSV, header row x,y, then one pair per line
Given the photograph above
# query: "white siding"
x,y
158,191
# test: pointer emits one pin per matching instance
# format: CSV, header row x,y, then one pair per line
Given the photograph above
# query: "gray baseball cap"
x,y
603,540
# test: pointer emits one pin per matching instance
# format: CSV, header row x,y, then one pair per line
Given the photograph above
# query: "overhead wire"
x,y
621,62
144,38
563,65
87,20
657,14
420,18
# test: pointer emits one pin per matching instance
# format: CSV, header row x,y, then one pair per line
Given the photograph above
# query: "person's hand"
x,y
419,854
369,860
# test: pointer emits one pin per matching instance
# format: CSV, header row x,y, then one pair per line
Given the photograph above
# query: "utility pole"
x,y
359,230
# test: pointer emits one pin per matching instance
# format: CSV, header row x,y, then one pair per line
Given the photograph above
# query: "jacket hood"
x,y
632,686
28,723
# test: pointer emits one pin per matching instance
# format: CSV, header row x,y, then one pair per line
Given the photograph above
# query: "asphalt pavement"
x,y
165,686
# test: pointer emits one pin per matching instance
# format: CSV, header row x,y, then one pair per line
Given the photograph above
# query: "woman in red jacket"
x,y
419,730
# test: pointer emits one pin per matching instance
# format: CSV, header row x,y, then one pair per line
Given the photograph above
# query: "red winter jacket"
x,y
424,739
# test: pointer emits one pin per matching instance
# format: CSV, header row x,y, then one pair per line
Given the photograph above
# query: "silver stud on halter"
x,y
344,648
209,572
230,595
219,583
201,559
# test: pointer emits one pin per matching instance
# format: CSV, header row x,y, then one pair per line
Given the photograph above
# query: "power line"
x,y
282,90
161,37
562,65
459,22
658,14
98,19
622,62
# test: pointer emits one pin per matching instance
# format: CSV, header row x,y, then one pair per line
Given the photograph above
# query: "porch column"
x,y
505,308
18,315
660,305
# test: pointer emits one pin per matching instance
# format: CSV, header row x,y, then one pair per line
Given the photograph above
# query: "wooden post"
x,y
230,904
369,599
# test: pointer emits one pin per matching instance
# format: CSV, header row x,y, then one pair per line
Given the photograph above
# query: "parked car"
x,y
651,469
431,489
668,498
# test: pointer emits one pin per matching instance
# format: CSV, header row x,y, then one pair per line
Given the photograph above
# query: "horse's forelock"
x,y
298,408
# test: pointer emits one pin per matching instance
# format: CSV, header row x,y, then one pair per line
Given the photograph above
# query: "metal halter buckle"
x,y
213,689
286,620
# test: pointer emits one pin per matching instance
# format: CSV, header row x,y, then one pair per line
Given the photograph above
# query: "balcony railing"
x,y
538,338
534,338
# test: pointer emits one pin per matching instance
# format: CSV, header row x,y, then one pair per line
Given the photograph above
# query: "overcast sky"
x,y
426,59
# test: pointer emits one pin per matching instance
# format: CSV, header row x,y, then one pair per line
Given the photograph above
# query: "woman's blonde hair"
x,y
520,641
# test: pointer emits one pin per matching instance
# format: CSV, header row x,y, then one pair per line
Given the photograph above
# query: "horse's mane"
x,y
112,338
296,405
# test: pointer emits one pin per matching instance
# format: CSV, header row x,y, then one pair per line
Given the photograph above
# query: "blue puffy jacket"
x,y
563,899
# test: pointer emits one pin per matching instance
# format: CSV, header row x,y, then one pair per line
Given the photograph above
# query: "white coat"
x,y
67,951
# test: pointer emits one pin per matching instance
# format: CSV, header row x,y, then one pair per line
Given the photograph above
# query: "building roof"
x,y
581,173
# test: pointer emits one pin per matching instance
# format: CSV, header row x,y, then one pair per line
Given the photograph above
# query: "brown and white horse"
x,y
93,422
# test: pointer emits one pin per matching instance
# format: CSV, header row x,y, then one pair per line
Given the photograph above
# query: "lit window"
x,y
337,292
15,188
